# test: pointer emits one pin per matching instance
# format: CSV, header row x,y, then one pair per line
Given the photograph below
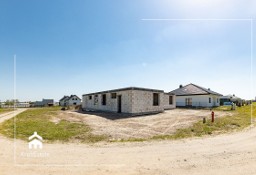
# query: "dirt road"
x,y
11,114
232,154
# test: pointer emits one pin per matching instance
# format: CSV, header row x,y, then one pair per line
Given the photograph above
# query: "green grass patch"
x,y
240,120
39,120
5,110
223,108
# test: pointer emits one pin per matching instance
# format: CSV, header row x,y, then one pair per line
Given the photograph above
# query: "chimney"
x,y
181,86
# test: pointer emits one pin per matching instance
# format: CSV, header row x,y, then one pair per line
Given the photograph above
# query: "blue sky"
x,y
81,46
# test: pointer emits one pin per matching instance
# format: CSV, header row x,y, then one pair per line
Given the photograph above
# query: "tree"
x,y
11,102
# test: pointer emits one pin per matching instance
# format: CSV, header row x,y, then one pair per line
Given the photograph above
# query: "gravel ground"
x,y
146,126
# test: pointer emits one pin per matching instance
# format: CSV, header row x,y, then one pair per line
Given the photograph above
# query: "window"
x,y
103,100
113,95
90,97
170,100
188,101
95,99
155,99
210,100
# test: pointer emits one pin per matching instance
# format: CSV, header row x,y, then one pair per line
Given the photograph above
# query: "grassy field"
x,y
240,120
40,120
4,110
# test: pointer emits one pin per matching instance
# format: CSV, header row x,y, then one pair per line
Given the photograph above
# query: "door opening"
x,y
119,104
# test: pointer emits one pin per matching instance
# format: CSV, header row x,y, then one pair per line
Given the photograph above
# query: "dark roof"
x,y
63,98
192,89
71,96
125,89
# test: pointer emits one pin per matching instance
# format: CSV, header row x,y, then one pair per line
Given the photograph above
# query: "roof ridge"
x,y
192,88
200,87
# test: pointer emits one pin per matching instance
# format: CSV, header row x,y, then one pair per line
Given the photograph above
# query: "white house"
x,y
72,100
131,100
193,95
22,105
62,101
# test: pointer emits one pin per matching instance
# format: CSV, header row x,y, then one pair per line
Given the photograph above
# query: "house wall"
x,y
62,103
133,101
46,102
142,102
111,103
71,101
38,104
23,105
199,100
166,101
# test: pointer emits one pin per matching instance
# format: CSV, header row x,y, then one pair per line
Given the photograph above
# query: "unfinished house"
x,y
132,100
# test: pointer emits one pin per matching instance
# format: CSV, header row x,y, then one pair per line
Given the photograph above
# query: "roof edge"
x,y
125,89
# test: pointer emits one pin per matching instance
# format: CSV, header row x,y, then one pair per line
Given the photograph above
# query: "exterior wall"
x,y
133,102
23,105
46,102
111,103
73,100
166,101
62,103
38,104
199,100
142,102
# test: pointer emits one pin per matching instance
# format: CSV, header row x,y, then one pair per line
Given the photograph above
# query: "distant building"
x,y
43,103
48,102
72,100
131,100
62,101
193,95
22,105
231,98
16,105
37,104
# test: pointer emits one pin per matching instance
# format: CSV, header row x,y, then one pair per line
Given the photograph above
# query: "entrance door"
x,y
119,103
